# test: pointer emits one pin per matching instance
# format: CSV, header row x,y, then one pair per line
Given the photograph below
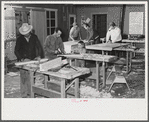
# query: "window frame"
x,y
74,16
56,18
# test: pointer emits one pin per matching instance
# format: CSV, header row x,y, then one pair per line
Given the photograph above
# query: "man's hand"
x,y
37,58
56,52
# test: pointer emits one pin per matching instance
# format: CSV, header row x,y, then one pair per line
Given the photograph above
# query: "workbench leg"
x,y
104,74
106,64
70,62
25,86
75,62
76,87
46,81
97,75
127,62
130,61
102,52
63,85
32,83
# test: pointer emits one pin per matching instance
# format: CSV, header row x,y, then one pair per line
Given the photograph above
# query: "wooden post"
x,y
104,75
70,62
25,86
75,62
102,52
106,64
97,75
45,81
76,87
127,62
130,61
32,94
63,93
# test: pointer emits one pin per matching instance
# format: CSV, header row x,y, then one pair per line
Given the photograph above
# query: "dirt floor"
x,y
135,80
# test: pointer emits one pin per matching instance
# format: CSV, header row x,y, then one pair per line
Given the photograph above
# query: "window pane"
x,y
48,23
52,23
52,30
47,14
52,14
71,20
48,31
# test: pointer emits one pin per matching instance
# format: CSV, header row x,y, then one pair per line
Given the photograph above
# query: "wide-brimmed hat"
x,y
25,28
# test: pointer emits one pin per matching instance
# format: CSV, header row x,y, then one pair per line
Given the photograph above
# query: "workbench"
x,y
97,58
134,42
28,75
105,47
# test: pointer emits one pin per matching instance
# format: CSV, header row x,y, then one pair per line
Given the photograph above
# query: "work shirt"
x,y
27,49
114,35
74,33
53,43
92,34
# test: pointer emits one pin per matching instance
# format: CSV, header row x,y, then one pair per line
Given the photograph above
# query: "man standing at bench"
x,y
53,45
114,34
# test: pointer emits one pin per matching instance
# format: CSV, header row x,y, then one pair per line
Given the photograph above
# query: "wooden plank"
x,y
106,46
46,92
51,64
70,75
30,62
63,93
92,57
97,75
134,41
76,87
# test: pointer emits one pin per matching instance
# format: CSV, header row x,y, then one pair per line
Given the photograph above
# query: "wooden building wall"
x,y
116,13
113,14
63,15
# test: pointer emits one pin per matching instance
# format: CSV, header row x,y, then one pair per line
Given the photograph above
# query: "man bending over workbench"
x,y
53,45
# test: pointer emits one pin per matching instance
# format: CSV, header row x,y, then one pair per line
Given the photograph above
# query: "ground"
x,y
135,80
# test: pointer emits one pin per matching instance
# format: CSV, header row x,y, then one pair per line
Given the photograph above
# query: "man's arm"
x,y
107,36
70,34
61,46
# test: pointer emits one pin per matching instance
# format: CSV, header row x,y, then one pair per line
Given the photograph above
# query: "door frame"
x,y
74,16
95,13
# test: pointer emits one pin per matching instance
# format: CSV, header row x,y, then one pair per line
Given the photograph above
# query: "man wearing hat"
x,y
114,34
27,45
27,48
92,34
74,33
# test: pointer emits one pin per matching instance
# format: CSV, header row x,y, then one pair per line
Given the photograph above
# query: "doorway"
x,y
100,24
72,19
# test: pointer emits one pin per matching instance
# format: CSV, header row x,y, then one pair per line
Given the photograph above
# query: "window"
x,y
51,21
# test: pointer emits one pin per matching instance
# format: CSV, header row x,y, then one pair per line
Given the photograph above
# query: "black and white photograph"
x,y
74,60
